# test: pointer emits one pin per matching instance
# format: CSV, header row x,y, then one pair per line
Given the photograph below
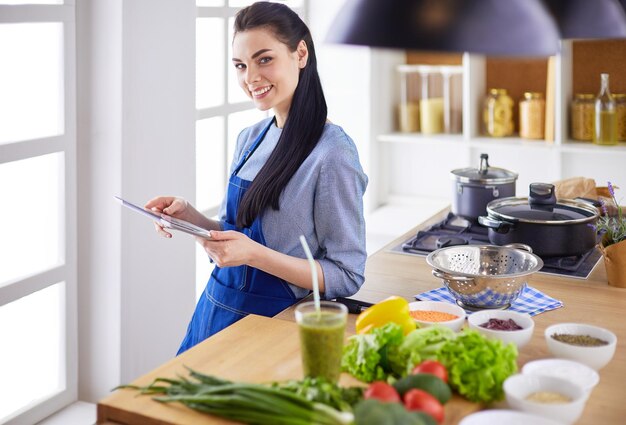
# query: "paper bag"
x,y
615,263
575,187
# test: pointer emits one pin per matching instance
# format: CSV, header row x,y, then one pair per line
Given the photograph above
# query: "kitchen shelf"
x,y
460,141
413,138
416,164
588,147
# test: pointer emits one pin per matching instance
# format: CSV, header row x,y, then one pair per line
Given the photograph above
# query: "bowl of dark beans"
x,y
505,325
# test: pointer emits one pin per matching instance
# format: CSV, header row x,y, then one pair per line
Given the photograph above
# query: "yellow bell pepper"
x,y
393,309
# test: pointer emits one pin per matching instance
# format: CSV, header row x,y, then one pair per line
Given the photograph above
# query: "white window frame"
x,y
66,145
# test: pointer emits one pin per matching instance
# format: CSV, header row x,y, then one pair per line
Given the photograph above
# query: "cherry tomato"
x,y
421,401
434,368
382,391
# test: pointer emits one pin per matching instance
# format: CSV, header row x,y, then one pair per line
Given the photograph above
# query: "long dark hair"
x,y
306,117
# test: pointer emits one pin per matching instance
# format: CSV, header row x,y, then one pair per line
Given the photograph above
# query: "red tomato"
x,y
434,368
382,391
422,401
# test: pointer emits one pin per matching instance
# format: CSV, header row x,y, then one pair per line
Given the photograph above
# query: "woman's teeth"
x,y
261,91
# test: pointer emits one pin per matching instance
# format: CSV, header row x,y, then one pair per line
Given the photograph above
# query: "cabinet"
x,y
415,165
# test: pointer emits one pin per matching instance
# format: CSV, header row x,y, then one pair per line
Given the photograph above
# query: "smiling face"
x,y
267,71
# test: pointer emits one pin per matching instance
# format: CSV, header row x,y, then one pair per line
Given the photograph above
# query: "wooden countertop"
x,y
271,350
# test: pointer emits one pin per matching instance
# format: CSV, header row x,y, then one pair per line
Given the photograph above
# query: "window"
x,y
37,183
222,109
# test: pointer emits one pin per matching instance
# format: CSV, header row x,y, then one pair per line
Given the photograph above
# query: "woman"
x,y
293,174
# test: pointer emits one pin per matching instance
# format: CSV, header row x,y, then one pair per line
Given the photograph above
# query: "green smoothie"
x,y
321,343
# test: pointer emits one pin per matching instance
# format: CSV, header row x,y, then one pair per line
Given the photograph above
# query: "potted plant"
x,y
613,243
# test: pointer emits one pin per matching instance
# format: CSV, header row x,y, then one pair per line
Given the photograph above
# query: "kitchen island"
x,y
259,349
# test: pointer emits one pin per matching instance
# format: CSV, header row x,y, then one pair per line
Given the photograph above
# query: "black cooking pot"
x,y
473,189
551,228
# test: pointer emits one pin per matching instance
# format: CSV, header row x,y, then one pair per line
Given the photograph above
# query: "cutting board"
x,y
255,349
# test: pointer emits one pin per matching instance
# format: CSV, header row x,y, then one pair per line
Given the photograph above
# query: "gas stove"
x,y
455,230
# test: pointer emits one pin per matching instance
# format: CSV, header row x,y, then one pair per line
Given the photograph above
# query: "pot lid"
x,y
541,207
485,174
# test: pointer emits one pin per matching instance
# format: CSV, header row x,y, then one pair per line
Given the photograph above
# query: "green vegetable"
x,y
365,356
424,381
419,345
428,420
375,412
477,366
321,390
248,403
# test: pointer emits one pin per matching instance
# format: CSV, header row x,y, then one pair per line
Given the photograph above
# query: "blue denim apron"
x,y
234,292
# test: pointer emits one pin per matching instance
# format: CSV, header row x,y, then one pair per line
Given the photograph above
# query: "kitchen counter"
x,y
259,349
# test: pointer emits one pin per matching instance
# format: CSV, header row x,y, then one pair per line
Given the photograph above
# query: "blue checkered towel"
x,y
530,301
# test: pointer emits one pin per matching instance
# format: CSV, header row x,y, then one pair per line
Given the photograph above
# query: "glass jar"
x,y
582,116
620,112
408,109
498,113
452,99
532,113
605,122
431,100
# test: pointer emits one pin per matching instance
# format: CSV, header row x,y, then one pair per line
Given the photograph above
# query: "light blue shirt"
x,y
323,201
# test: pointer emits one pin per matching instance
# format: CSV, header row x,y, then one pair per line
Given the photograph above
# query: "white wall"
x,y
353,77
136,115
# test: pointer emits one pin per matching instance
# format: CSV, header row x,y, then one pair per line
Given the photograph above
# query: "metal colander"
x,y
485,276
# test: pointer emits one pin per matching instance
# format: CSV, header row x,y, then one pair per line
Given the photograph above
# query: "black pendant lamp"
x,y
589,18
493,27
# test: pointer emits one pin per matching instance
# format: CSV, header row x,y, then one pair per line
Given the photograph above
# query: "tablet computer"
x,y
167,221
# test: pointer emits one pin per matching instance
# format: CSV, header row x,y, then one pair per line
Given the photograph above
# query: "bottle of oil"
x,y
605,120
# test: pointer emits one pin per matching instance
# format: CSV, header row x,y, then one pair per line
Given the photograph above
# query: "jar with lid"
x,y
582,116
452,99
408,109
431,99
532,110
498,113
620,112
605,128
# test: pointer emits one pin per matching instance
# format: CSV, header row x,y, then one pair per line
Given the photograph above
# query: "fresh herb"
x,y
613,229
477,366
375,412
248,403
321,390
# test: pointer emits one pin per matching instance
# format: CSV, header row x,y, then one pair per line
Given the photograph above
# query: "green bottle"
x,y
605,117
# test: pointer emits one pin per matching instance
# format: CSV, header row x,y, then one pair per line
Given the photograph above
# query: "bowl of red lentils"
x,y
587,344
430,313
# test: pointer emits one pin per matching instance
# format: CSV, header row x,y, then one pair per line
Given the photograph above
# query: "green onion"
x,y
248,403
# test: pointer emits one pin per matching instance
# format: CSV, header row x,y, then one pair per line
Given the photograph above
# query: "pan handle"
x,y
521,246
444,276
499,226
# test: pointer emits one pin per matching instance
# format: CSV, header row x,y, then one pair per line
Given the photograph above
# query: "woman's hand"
x,y
170,205
230,248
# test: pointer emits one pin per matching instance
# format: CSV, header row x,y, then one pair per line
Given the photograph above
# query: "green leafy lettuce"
x,y
365,356
419,345
477,366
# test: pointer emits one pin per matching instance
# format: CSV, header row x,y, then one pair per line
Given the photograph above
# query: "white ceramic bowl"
x,y
570,370
518,337
594,357
520,386
508,417
455,324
